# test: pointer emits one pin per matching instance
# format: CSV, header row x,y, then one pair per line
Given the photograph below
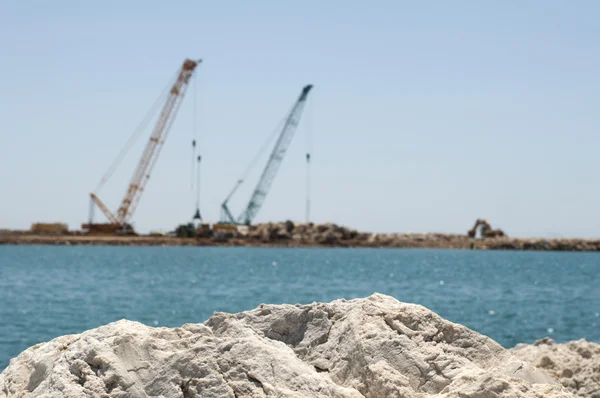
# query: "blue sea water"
x,y
48,291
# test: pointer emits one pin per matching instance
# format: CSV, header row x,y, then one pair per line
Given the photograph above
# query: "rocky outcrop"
x,y
575,364
372,347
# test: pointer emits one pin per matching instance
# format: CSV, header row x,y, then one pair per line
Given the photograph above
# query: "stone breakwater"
x,y
335,235
288,234
371,347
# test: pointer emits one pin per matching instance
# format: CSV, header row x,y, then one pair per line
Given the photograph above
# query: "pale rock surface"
x,y
575,364
371,347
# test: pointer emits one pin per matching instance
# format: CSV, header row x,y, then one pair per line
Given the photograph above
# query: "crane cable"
x,y
193,135
261,151
195,158
198,186
309,127
135,136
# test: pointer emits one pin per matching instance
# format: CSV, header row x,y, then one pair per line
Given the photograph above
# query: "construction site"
x,y
120,223
117,228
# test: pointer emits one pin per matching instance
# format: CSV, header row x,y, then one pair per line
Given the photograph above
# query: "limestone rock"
x,y
575,364
371,347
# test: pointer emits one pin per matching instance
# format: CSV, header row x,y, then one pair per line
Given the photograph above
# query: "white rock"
x,y
575,364
372,347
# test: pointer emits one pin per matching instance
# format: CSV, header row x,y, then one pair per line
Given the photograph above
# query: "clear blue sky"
x,y
424,116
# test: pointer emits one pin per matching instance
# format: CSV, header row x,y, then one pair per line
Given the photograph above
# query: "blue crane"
x,y
268,175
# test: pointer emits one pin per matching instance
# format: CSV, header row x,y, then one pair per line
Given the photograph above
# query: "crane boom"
x,y
150,155
277,155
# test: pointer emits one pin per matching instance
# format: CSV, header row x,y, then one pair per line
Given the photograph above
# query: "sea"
x,y
511,296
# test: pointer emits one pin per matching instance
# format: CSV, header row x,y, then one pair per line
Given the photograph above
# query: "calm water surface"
x,y
513,297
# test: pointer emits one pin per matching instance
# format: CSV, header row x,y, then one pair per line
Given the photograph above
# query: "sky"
x,y
424,115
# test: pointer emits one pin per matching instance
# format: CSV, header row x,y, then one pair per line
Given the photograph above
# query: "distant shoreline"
x,y
430,241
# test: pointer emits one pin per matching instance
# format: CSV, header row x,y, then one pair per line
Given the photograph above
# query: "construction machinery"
x,y
121,221
485,230
49,228
268,175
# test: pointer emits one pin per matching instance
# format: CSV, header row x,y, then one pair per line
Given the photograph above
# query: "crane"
x,y
121,220
268,175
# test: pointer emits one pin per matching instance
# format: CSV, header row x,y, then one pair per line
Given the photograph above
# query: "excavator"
x,y
485,230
